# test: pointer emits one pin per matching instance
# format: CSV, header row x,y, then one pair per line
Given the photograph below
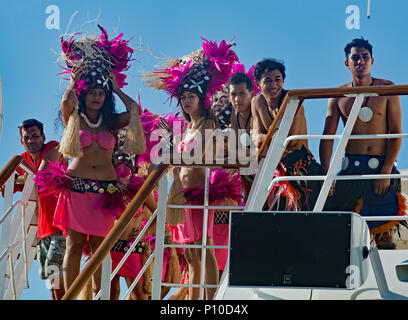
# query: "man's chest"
x,y
372,108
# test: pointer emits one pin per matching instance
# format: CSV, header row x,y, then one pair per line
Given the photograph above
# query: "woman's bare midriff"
x,y
95,163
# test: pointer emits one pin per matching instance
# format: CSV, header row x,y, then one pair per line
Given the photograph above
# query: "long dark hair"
x,y
107,110
205,112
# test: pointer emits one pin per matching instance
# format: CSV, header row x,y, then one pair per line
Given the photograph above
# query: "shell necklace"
x,y
244,137
366,113
89,123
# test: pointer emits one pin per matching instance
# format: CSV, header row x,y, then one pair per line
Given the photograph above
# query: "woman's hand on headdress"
x,y
76,74
115,86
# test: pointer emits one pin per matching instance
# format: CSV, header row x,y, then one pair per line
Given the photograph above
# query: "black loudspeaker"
x,y
289,249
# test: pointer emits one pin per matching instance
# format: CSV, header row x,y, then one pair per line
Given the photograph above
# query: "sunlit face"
x,y
271,83
95,98
359,61
190,102
240,97
32,139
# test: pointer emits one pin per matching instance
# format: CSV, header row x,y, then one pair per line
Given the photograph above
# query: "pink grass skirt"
x,y
192,228
76,211
221,239
131,267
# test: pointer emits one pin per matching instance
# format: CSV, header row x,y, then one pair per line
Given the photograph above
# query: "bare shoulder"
x,y
258,101
383,82
335,100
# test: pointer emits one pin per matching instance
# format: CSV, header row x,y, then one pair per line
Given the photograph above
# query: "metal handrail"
x,y
352,137
97,258
294,98
11,166
384,90
8,249
303,94
104,248
7,180
203,245
129,251
10,210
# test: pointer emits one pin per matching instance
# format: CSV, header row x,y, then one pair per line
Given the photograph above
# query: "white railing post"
x,y
105,278
205,228
348,128
5,232
159,242
259,191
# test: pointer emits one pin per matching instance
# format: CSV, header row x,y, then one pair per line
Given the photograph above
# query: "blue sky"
x,y
308,35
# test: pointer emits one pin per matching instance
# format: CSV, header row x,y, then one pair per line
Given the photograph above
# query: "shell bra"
x,y
104,139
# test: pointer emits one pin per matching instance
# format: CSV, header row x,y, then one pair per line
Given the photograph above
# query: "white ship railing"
x,y
17,232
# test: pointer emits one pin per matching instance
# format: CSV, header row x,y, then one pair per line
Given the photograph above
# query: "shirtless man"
x,y
378,115
240,94
269,76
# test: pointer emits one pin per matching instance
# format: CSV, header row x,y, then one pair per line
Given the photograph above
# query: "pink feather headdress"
x,y
202,72
99,56
150,122
221,106
239,67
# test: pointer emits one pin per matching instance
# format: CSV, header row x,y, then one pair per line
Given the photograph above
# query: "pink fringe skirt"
x,y
192,228
131,267
221,239
76,211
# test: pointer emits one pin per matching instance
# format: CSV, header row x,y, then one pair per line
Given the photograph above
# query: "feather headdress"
x,y
202,72
99,56
150,122
239,67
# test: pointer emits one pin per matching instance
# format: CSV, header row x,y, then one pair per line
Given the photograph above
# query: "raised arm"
x,y
52,155
69,99
130,104
330,127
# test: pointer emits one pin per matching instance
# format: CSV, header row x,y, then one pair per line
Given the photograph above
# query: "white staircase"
x,y
18,237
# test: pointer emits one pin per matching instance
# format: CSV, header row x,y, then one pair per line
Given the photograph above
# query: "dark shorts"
x,y
348,192
359,195
50,255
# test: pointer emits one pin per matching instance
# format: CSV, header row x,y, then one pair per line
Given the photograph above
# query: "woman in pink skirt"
x,y
88,207
193,80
